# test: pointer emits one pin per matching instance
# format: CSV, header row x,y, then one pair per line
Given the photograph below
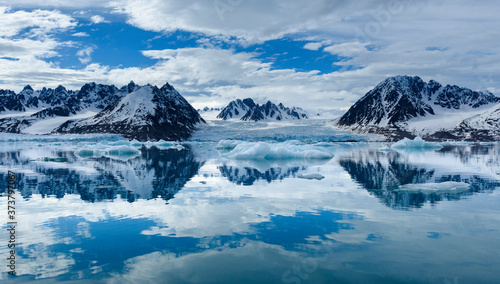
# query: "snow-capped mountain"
x,y
146,113
410,106
21,111
248,110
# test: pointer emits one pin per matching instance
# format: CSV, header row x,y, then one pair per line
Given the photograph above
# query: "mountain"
x,y
29,106
248,110
236,109
146,113
408,106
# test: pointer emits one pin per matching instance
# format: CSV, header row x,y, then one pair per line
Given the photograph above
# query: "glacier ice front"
x,y
271,151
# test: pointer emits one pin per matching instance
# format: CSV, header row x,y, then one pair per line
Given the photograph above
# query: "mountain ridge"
x,y
248,110
29,109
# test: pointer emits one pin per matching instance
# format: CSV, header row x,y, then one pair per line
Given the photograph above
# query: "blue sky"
x,y
320,54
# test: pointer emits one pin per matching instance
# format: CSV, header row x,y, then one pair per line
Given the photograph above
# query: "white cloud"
x,y
81,34
249,21
84,55
54,3
348,49
313,45
96,19
39,22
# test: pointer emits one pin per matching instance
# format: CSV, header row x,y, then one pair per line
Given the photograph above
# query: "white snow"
x,y
444,119
47,125
417,143
28,112
134,105
487,120
443,187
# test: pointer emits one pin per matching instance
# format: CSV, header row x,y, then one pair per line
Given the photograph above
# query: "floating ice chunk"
x,y
312,176
275,151
97,151
228,144
442,187
122,151
86,153
417,143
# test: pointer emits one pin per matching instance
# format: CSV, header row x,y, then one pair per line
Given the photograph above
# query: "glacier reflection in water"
x,y
184,214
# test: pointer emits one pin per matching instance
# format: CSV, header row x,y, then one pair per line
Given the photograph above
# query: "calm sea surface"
x,y
188,215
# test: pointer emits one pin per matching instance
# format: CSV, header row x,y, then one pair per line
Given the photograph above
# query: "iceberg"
x,y
417,143
228,144
273,151
311,176
96,151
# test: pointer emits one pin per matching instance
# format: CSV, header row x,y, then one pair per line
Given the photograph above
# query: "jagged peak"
x,y
131,87
167,86
249,102
60,88
27,88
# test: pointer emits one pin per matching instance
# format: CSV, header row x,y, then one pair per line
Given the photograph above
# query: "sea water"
x,y
104,210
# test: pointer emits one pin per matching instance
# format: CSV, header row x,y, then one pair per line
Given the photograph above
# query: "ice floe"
x,y
417,143
442,187
272,151
311,176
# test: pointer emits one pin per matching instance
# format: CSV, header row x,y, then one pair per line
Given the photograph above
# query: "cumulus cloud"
x,y
84,55
96,19
39,22
313,45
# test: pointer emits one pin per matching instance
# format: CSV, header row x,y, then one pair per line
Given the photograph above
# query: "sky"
x,y
322,55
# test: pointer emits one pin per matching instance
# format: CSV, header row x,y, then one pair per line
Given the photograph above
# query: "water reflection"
x,y
387,175
256,221
155,173
248,175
